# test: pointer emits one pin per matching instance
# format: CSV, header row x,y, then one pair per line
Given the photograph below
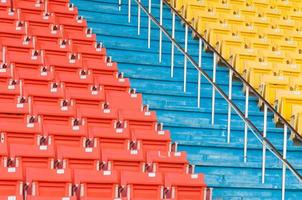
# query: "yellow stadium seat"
x,y
261,4
270,85
241,55
296,83
260,42
296,14
285,100
284,6
297,36
179,5
296,56
274,55
286,24
246,31
296,120
230,42
204,19
274,33
249,11
273,13
216,32
214,2
296,3
261,22
237,2
223,9
288,45
289,70
192,10
235,19
254,71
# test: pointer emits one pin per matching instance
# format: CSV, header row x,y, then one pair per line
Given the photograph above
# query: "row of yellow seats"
x,y
296,119
217,32
259,22
228,45
241,55
257,72
285,101
271,84
249,6
191,11
191,8
289,104
214,30
202,16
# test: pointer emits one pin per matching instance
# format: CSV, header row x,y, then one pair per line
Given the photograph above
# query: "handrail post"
x,y
264,143
129,11
172,45
229,106
119,5
213,88
199,74
284,157
185,58
138,19
245,125
149,23
160,31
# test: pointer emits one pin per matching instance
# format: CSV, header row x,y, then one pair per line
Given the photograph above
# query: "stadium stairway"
x,y
191,128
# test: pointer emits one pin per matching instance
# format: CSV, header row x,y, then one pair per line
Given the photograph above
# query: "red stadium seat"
x,y
41,74
123,159
96,184
14,106
110,137
80,157
20,124
142,186
186,186
64,133
7,17
34,155
112,82
152,140
168,161
48,183
11,182
128,103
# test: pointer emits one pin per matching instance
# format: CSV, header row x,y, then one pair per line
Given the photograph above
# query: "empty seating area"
x,y
261,39
70,124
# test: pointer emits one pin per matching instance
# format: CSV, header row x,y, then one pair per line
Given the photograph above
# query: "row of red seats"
x,y
94,184
71,157
19,128
71,102
55,61
118,138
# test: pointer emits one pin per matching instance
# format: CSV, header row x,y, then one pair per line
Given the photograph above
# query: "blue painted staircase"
x,y
206,145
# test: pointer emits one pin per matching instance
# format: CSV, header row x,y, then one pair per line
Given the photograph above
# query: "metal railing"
x,y
248,124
